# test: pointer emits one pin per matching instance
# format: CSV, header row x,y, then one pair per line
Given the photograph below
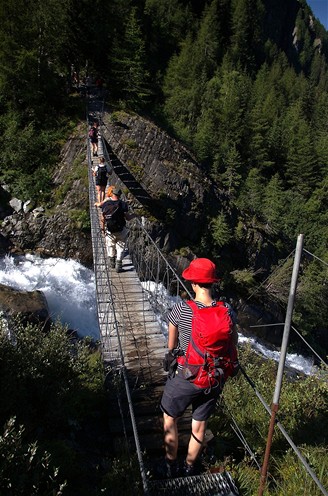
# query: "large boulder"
x,y
31,306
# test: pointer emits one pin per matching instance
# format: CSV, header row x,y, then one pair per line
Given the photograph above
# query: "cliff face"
x,y
162,175
159,175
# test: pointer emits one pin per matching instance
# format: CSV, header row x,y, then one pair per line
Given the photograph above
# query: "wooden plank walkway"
x,y
131,337
143,348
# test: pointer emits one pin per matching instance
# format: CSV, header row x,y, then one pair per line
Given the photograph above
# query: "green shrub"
x,y
24,468
136,169
130,143
302,412
117,116
244,278
40,375
55,389
123,478
80,218
292,477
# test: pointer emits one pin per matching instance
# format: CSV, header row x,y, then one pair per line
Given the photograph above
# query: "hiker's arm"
x,y
172,341
100,204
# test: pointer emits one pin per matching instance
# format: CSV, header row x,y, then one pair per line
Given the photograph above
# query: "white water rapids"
x,y
71,295
68,286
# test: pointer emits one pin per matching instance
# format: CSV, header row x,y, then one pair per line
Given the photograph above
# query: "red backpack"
x,y
211,355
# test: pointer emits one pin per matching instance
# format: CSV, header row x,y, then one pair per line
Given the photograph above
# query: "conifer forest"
x,y
243,84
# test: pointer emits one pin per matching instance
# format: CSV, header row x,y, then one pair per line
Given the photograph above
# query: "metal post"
x,y
283,352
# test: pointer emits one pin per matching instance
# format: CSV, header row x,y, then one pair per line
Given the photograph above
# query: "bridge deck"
x,y
131,337
133,343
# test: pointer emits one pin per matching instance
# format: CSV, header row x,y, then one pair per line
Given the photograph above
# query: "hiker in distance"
x,y
115,213
93,135
201,355
101,172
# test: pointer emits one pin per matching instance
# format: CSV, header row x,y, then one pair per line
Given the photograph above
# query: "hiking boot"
x,y
188,470
167,469
118,266
112,262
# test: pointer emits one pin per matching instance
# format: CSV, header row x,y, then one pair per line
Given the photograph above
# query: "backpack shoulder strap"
x,y
221,304
192,305
192,342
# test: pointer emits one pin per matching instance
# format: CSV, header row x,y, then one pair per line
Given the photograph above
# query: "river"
x,y
71,295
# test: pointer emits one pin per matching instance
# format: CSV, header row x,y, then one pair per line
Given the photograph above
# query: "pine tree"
x,y
231,177
189,72
259,145
129,67
302,171
220,230
31,54
247,37
319,71
251,196
274,204
167,25
178,90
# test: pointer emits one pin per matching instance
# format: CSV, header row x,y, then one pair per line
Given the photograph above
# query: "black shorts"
x,y
179,393
101,182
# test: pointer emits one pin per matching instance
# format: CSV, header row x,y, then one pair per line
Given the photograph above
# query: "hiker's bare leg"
x,y
170,437
98,194
198,429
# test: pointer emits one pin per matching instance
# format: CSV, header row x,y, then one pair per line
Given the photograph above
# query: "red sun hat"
x,y
200,270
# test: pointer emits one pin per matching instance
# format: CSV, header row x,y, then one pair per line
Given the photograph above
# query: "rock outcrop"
x,y
31,306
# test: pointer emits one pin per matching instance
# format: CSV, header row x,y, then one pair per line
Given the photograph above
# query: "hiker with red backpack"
x,y
202,341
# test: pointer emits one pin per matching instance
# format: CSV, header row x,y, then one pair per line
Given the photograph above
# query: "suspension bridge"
x,y
131,307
